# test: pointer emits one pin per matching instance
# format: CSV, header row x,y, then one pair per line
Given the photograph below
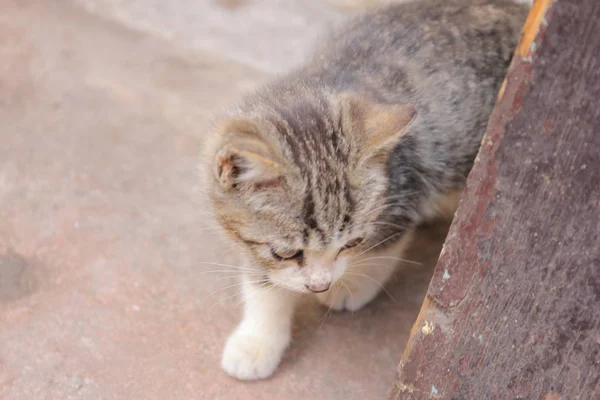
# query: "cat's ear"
x,y
376,127
244,155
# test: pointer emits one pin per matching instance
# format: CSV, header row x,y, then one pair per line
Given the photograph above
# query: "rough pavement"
x,y
103,233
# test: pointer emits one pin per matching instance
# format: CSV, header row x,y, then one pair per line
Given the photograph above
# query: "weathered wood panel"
x,y
513,310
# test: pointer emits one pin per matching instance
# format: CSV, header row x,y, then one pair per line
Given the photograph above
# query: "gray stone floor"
x,y
103,234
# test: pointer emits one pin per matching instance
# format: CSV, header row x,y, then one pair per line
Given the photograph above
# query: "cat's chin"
x,y
292,287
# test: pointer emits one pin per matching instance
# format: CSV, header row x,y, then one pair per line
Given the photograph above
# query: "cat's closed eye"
x,y
353,243
287,254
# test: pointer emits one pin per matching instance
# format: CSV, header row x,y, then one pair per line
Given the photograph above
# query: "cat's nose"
x,y
318,287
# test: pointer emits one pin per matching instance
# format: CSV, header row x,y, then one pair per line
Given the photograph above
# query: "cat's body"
x,y
332,166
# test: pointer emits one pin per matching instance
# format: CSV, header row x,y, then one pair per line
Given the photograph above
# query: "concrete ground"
x,y
104,293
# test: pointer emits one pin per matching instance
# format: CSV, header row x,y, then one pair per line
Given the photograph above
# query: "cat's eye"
x,y
353,243
282,255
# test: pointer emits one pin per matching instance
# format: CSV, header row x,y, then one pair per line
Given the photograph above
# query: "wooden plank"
x,y
513,310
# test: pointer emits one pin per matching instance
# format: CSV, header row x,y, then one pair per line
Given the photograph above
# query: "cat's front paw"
x,y
250,357
344,298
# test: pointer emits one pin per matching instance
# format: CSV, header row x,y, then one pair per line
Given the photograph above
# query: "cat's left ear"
x,y
376,127
244,155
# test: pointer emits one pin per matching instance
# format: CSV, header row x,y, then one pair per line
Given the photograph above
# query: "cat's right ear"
x,y
245,156
377,128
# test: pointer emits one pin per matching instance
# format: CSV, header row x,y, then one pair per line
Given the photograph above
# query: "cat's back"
x,y
429,36
447,58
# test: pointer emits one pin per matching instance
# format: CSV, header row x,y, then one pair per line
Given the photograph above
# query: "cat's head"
x,y
300,187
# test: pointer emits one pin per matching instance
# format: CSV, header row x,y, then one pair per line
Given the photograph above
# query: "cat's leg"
x,y
364,278
254,349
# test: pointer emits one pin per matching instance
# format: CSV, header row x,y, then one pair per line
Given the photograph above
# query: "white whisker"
x,y
263,288
329,310
227,298
239,276
390,258
227,271
237,267
370,265
397,203
384,223
378,244
235,285
376,281
239,293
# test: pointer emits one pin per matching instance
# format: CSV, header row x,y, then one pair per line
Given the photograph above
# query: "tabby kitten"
x,y
335,164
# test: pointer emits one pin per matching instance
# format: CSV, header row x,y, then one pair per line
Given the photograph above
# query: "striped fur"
x,y
445,58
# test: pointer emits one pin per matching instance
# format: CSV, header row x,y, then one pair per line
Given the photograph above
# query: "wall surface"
x,y
513,311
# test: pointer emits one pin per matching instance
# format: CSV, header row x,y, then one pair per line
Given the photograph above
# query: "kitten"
x,y
332,166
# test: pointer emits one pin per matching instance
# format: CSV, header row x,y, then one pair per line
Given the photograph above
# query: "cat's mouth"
x,y
318,288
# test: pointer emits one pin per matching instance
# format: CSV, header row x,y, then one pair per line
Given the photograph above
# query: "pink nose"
x,y
318,287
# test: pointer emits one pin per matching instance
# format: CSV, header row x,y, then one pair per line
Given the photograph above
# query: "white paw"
x,y
341,298
249,357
